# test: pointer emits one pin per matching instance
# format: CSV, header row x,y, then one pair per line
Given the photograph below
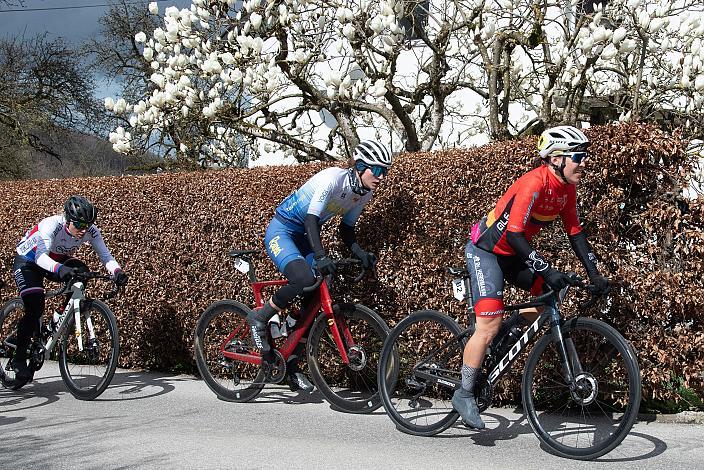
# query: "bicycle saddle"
x,y
459,272
240,253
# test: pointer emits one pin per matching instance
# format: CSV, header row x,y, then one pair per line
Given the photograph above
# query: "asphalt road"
x,y
152,420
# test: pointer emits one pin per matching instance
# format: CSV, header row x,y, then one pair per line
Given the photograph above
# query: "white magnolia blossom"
x,y
303,74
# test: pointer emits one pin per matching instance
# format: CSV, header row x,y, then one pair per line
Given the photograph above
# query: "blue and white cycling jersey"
x,y
325,194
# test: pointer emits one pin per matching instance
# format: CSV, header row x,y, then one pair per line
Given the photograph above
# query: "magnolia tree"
x,y
310,77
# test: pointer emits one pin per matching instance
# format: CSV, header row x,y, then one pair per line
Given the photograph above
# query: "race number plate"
x,y
458,289
241,265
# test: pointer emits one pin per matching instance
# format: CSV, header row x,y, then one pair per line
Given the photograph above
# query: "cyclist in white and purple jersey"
x,y
292,238
45,252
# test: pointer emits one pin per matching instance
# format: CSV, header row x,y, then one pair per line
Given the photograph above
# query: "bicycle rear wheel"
x,y
592,420
231,380
10,315
350,387
416,404
88,373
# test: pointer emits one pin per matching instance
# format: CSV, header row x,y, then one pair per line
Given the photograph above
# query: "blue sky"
x,y
73,25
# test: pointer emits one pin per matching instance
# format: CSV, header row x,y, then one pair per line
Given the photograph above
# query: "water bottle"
x,y
507,342
290,323
276,327
48,329
54,323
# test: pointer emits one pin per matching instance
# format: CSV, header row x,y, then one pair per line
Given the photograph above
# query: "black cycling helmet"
x,y
79,209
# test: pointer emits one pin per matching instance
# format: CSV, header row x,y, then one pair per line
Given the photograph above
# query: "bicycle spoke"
x,y
414,404
352,386
595,416
230,379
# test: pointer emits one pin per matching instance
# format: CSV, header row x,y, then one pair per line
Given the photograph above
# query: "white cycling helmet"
x,y
373,153
560,139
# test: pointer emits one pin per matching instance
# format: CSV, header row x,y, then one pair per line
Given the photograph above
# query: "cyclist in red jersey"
x,y
499,249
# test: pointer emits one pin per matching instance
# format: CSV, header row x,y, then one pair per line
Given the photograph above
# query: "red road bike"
x,y
343,347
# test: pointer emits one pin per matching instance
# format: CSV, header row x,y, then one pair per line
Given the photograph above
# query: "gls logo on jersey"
x,y
501,224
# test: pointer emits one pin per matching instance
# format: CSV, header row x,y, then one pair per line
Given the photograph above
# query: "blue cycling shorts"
x,y
285,243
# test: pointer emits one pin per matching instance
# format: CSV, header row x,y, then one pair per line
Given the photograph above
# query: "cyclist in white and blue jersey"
x,y
292,238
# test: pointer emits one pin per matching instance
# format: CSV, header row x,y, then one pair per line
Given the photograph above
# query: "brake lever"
x,y
596,295
359,276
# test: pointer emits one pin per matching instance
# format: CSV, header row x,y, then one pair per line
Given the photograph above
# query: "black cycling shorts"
x,y
487,273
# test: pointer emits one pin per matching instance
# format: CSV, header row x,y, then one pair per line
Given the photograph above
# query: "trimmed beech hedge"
x,y
171,233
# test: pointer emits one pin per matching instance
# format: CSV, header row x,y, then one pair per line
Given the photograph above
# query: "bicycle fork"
x,y
565,348
339,329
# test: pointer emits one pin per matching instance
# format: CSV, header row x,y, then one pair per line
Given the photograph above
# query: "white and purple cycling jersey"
x,y
326,194
49,243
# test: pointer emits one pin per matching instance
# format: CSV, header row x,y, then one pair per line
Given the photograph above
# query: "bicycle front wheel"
x,y
88,372
223,327
422,351
350,387
596,416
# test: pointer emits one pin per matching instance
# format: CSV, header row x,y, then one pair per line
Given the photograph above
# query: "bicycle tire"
x,y
214,326
99,356
8,327
349,390
406,397
602,352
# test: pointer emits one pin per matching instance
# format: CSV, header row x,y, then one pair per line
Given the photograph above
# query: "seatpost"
x,y
251,274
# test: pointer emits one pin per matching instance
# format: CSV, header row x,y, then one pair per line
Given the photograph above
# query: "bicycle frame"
x,y
551,314
321,300
73,306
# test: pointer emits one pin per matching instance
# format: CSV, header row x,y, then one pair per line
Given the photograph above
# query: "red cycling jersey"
x,y
532,202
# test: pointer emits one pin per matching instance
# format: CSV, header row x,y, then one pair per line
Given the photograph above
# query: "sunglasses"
x,y
577,157
80,225
376,170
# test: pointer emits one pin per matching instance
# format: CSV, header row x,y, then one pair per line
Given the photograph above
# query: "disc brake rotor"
x,y
357,357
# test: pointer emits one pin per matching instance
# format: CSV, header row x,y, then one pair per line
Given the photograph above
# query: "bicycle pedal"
x,y
414,385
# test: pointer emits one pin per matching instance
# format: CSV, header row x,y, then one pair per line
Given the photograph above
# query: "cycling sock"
x,y
469,378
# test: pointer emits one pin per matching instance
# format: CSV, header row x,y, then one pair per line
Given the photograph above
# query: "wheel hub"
x,y
357,357
586,389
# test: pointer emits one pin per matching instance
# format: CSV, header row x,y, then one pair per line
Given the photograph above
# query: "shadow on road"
x,y
125,385
138,385
636,446
41,392
281,394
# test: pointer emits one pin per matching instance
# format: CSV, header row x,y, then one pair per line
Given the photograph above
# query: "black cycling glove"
x,y
66,273
120,278
368,259
601,284
325,265
555,279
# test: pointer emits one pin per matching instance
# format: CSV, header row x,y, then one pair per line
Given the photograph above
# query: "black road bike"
x,y
581,386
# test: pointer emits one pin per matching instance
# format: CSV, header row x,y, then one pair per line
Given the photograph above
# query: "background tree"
x,y
310,76
45,90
